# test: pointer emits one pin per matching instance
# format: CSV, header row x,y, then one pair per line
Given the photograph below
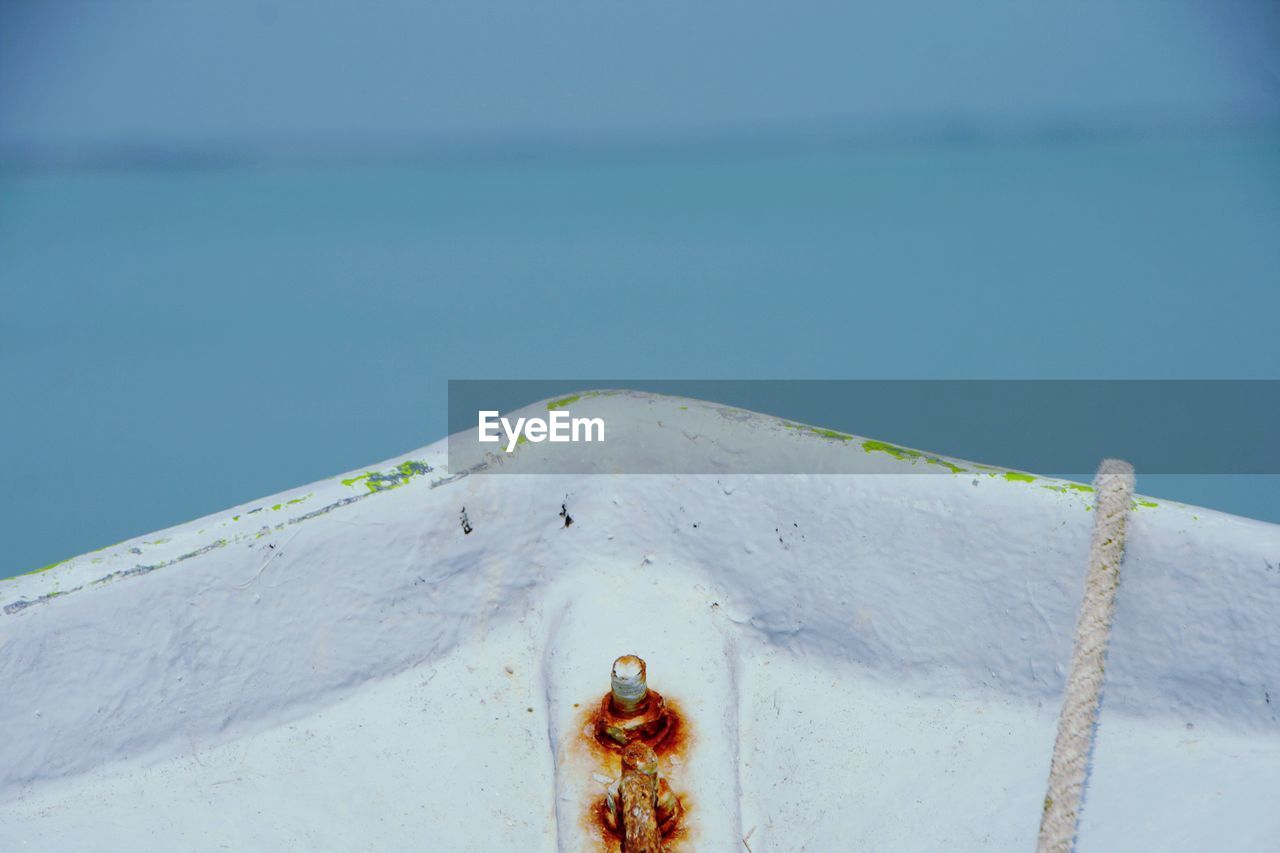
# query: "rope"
x,y
1078,720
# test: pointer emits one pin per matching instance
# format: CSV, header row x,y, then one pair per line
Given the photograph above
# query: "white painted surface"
x,y
870,662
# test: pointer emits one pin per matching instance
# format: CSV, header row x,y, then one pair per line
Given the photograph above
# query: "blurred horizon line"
x,y
794,137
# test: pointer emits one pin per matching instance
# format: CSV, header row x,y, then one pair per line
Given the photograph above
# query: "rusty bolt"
x,y
630,710
668,810
640,758
629,689
641,807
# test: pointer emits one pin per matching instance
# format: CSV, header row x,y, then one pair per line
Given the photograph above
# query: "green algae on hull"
x,y
825,433
871,445
907,454
899,453
378,481
573,398
52,565
563,401
1138,503
951,466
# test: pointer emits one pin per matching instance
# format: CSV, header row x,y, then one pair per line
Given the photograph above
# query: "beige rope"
x,y
1076,724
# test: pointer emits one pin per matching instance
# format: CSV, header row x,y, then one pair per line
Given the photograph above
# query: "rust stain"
x,y
595,828
681,834
672,745
600,832
666,729
676,739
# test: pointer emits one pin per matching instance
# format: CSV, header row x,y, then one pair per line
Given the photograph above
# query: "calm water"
x,y
175,341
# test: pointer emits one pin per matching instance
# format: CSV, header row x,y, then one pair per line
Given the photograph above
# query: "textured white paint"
x,y
870,662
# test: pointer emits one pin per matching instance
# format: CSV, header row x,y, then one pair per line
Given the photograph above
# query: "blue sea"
x,y
178,338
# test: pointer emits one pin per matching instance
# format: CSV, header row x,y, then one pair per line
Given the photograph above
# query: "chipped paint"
x,y
382,481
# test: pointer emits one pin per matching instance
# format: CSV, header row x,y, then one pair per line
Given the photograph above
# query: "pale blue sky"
x,y
243,246
330,74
